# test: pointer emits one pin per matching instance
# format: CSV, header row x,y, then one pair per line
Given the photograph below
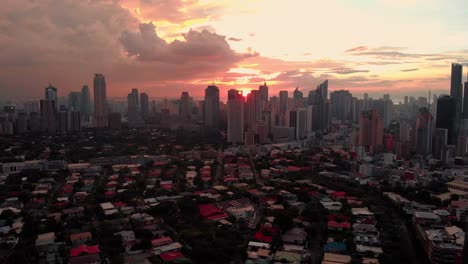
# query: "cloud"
x,y
410,70
359,48
383,52
234,39
174,11
347,71
66,42
197,47
389,54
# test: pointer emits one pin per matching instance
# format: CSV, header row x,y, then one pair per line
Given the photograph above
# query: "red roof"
x,y
169,256
293,169
265,234
14,194
313,193
159,163
88,250
155,173
269,199
211,212
262,237
339,194
161,241
119,204
334,224
61,204
166,186
334,217
369,221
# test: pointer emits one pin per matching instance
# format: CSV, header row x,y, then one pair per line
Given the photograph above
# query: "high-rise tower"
x,y
100,102
85,107
371,131
446,116
50,93
235,117
211,106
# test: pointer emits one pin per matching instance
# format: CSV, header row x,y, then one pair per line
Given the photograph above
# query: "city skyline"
x,y
174,46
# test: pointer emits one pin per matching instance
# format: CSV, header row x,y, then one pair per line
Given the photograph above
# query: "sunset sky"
x,y
164,47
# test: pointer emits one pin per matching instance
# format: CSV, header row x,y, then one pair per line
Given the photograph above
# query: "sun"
x,y
245,91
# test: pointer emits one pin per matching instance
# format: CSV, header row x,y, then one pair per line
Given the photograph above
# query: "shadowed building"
x,y
100,102
235,117
446,116
211,114
371,131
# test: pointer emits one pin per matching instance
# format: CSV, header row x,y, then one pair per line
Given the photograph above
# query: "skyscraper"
x,y
133,115
283,107
62,121
144,105
263,93
31,107
50,93
235,117
446,116
298,121
283,101
465,100
424,132
297,94
136,97
456,85
85,103
320,112
49,115
100,102
74,101
371,131
184,106
211,115
323,89
340,105
252,111
74,121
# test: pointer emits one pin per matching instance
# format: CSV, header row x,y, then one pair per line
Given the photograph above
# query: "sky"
x,y
164,47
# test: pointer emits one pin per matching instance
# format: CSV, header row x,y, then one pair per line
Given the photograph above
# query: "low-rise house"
x,y
168,248
211,212
330,258
158,242
335,247
287,257
258,252
85,255
80,238
296,235
128,238
338,226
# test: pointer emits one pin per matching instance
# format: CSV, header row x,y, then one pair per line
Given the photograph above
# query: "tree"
x,y
284,220
188,206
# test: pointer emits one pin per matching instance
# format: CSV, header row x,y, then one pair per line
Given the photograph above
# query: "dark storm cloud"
x,y
67,41
197,48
